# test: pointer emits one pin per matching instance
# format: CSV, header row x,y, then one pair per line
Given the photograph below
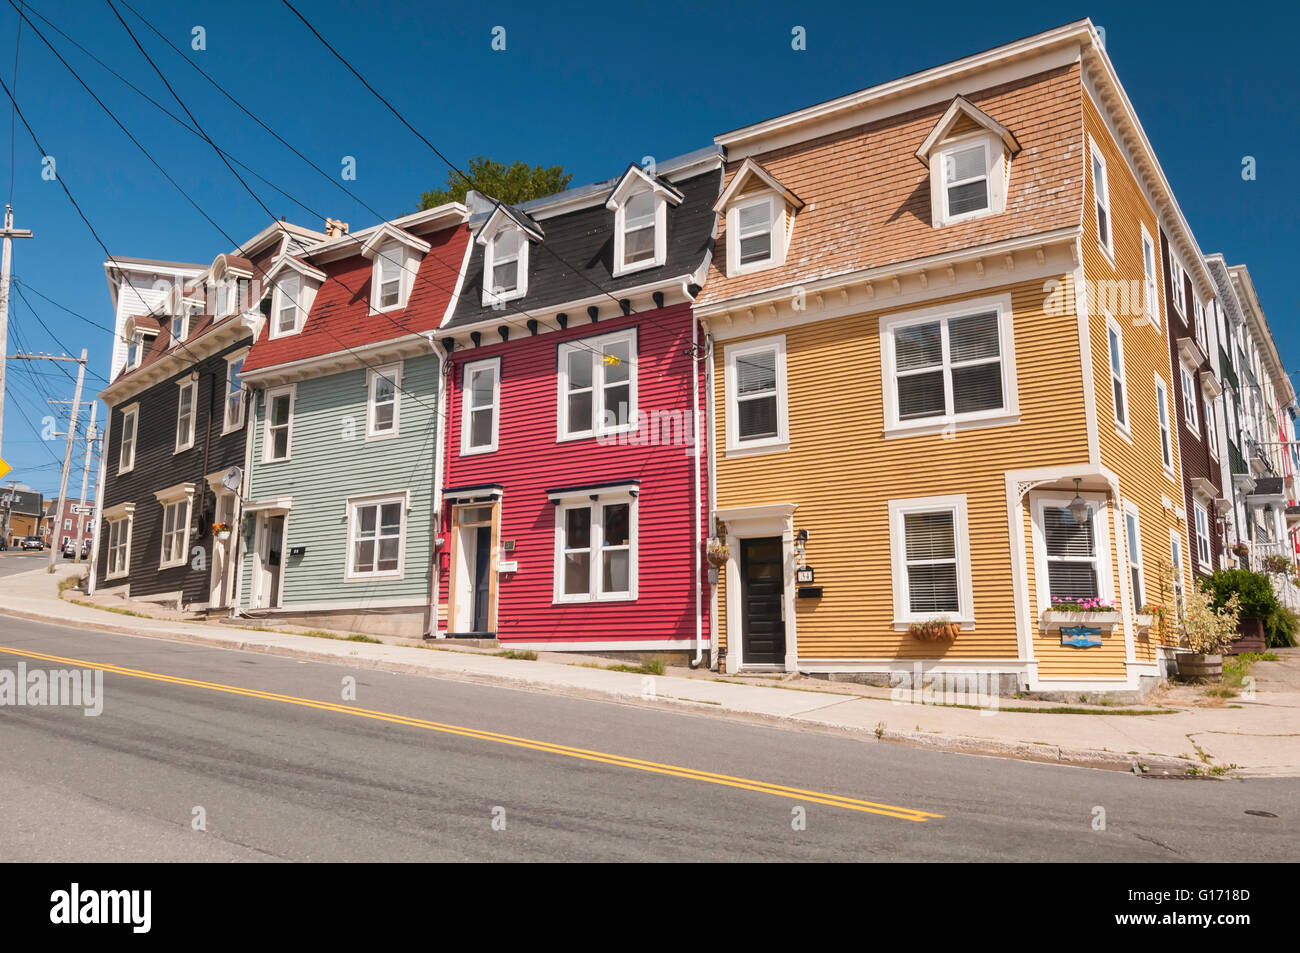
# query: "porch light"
x,y
1078,507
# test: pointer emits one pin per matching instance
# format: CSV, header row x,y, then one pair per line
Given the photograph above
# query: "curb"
x,y
957,744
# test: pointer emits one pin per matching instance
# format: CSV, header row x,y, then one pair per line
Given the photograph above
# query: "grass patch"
x,y
91,605
69,583
528,656
1064,710
322,634
653,667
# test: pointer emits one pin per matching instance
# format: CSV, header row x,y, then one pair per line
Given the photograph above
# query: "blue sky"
x,y
588,87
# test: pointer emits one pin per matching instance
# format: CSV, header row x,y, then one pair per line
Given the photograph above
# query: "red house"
x,y
574,498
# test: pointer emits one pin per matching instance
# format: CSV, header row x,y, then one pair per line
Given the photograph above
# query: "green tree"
x,y
511,184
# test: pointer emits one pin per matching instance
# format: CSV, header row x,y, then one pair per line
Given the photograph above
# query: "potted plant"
x,y
1239,549
1089,611
1278,564
221,530
1151,614
1206,631
717,552
938,629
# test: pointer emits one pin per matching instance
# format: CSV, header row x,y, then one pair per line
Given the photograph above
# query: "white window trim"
x,y
595,500
1151,284
392,372
351,573
393,251
733,352
898,509
491,297
1177,553
124,465
593,347
661,235
184,319
1203,563
1008,414
192,385
1102,202
1178,289
467,372
267,444
292,288
123,513
1134,541
1101,539
782,225
181,493
1122,427
1211,425
939,165
1190,413
226,425
1164,428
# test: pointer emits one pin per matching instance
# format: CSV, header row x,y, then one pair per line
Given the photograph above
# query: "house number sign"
x,y
804,575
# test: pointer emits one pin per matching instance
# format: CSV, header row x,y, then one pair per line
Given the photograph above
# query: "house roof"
x,y
965,114
749,170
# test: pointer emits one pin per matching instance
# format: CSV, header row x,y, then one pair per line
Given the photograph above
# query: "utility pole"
x,y
9,233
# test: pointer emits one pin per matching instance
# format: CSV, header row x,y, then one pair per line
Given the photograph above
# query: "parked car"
x,y
32,542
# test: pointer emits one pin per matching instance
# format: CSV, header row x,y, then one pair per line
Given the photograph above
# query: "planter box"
x,y
1203,667
1251,638
1144,623
1052,621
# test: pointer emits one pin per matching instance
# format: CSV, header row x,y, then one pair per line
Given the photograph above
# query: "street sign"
x,y
79,510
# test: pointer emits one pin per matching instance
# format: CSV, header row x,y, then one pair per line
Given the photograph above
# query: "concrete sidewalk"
x,y
1259,738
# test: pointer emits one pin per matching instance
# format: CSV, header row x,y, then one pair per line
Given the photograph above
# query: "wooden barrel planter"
x,y
1251,638
1202,667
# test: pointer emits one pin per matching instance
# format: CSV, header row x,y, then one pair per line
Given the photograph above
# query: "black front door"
x,y
482,587
762,579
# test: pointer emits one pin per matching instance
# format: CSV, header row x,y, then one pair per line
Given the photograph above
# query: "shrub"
x,y
1254,592
1208,629
1280,628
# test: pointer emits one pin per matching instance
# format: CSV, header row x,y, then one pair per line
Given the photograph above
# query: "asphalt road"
x,y
287,779
16,560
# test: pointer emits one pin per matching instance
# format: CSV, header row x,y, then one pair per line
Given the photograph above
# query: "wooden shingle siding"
x,y
331,461
1136,459
158,466
842,473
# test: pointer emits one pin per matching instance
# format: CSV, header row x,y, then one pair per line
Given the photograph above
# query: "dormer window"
x,y
505,262
640,203
295,284
180,327
396,256
760,214
139,339
638,230
286,310
969,155
390,279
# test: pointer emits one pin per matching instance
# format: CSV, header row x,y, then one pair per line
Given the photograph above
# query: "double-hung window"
x,y
286,308
1211,434
119,543
180,327
1198,310
188,398
930,554
388,268
506,247
754,231
943,367
279,424
381,404
638,232
596,547
126,453
376,533
1176,287
1202,537
756,396
598,386
965,180
1162,418
1150,287
1071,552
176,503
1189,397
1133,531
234,407
1101,190
480,403
1119,390
1176,562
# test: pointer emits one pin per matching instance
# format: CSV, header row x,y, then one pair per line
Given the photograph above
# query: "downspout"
x,y
715,634
245,491
440,433
698,532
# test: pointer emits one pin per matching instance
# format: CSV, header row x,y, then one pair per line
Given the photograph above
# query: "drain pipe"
x,y
698,531
715,635
440,429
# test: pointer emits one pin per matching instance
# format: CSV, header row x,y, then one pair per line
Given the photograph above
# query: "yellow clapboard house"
x,y
940,378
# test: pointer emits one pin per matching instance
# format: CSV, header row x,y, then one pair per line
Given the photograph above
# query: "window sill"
x,y
267,460
595,435
591,600
175,564
950,425
476,451
109,577
966,217
757,449
182,449
752,267
371,576
385,435
902,625
639,266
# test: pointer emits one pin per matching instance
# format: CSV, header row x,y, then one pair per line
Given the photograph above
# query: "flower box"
x,y
1063,620
1143,622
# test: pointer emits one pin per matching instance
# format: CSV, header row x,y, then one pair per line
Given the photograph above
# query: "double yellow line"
x,y
600,757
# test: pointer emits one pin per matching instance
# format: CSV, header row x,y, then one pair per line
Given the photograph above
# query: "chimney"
x,y
334,228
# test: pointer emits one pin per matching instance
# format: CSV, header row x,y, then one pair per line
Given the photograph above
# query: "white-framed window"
x,y
1071,556
1211,433
286,309
234,405
1162,418
277,439
966,171
480,405
382,400
1150,283
119,547
597,383
505,266
376,537
640,232
1176,286
596,547
1101,193
1189,397
1198,310
180,327
1133,532
949,367
1230,411
67,524
177,502
1176,564
187,401
755,385
126,451
756,233
1202,537
930,559
390,278
139,347
1118,387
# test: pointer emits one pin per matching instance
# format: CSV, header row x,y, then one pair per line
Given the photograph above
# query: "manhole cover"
x,y
1261,814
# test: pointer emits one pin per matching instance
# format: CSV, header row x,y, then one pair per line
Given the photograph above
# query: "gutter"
x,y
440,435
698,532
